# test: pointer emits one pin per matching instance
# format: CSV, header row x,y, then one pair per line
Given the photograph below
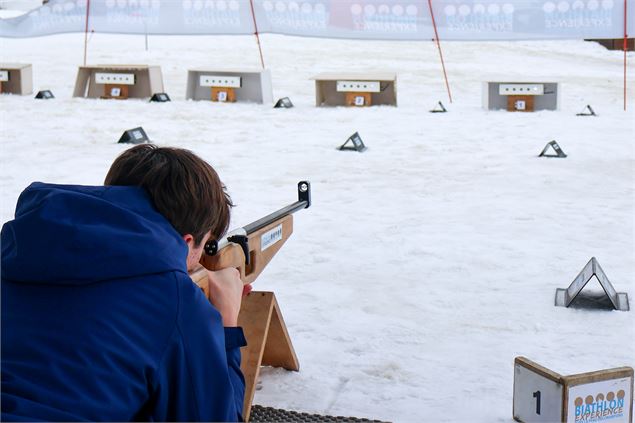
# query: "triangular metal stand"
x,y
160,98
437,110
134,136
587,111
283,103
357,143
554,145
44,95
268,341
564,297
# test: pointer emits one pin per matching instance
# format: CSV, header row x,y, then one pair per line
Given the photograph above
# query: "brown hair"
x,y
184,188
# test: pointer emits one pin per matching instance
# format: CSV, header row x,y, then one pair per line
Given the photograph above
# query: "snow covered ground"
x,y
425,264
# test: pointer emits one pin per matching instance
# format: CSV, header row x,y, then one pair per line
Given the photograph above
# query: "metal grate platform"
x,y
270,414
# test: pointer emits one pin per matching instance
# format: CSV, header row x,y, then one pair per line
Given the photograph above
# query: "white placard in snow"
x,y
537,398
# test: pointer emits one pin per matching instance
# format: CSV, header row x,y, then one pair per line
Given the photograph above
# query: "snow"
x,y
425,264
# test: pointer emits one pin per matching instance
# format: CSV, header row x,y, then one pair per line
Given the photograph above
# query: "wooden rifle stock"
x,y
233,255
264,237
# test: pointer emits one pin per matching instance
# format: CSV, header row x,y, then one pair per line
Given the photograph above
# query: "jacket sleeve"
x,y
199,377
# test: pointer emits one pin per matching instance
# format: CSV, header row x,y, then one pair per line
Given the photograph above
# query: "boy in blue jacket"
x,y
100,320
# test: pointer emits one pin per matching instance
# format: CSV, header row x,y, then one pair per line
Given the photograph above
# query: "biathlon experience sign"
x,y
598,402
353,19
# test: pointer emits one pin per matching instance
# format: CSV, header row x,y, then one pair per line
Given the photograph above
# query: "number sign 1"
x,y
538,393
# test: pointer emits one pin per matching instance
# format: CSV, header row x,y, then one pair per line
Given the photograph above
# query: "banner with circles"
x,y
353,19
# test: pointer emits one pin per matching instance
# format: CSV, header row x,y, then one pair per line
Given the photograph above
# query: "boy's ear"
x,y
189,239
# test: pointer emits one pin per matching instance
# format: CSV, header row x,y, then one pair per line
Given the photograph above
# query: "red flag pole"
x,y
625,46
86,30
253,15
436,37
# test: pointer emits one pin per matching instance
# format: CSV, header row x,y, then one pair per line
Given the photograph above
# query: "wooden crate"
x,y
255,86
495,96
617,43
327,94
20,77
520,103
225,95
359,99
148,80
118,92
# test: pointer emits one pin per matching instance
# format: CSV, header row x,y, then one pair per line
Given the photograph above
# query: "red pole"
x,y
253,15
436,37
625,48
86,30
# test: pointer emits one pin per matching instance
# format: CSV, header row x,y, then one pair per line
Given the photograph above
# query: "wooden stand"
x,y
535,95
358,99
327,93
255,85
229,94
527,101
268,341
148,80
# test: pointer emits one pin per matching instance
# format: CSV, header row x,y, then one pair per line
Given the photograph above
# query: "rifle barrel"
x,y
304,202
262,222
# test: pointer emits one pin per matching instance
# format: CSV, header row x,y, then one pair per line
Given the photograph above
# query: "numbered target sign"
x,y
538,393
541,395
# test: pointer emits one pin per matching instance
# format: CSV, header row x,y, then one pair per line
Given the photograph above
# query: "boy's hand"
x,y
226,292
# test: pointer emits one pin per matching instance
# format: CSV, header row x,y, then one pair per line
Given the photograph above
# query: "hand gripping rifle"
x,y
250,248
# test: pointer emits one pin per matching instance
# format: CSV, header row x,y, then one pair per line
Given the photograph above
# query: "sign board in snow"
x,y
541,395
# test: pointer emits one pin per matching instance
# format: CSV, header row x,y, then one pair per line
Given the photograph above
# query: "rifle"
x,y
250,248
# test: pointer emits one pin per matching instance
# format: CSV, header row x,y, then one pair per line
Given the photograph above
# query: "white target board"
x,y
115,78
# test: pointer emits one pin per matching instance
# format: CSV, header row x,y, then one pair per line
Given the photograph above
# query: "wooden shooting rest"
x,y
268,342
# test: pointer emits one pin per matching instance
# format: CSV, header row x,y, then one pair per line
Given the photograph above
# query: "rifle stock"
x,y
264,238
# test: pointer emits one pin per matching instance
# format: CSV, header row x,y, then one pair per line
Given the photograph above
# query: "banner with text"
x,y
352,19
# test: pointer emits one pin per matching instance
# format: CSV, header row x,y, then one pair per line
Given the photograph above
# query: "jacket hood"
x,y
75,235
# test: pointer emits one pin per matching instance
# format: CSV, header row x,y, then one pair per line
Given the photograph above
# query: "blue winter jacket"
x,y
100,320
